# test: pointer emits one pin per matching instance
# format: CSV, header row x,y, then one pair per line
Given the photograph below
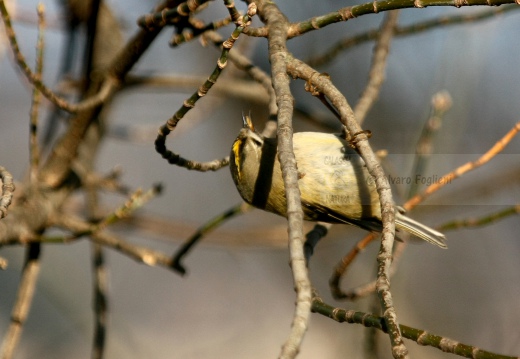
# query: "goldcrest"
x,y
334,182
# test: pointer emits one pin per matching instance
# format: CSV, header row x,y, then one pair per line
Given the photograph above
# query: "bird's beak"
x,y
247,122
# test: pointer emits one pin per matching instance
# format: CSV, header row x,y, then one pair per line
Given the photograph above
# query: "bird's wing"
x,y
317,212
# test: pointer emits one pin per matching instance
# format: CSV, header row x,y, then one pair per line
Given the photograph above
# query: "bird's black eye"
x,y
257,141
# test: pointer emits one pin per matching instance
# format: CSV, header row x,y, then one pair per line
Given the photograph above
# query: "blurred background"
x,y
237,298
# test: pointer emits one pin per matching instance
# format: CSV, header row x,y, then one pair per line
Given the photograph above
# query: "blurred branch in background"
x,y
414,29
31,267
479,222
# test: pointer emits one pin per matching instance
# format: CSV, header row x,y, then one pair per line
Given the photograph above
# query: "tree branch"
x,y
278,55
297,68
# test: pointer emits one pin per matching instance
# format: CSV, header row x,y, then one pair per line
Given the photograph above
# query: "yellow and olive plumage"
x,y
334,183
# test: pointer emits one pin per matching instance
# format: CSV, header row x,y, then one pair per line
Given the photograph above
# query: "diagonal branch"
x,y
376,76
359,138
421,337
188,104
443,22
375,7
447,178
23,303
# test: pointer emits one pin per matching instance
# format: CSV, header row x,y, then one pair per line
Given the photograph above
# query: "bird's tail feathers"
x,y
420,230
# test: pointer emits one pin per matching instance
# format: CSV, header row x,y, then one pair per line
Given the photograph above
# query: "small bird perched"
x,y
334,182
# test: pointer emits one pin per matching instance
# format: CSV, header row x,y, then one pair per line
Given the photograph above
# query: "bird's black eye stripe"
x,y
256,140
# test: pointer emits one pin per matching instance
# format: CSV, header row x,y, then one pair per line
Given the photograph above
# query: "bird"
x,y
335,186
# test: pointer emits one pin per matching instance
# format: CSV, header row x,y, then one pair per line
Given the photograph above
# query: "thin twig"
x,y
171,123
256,73
233,12
345,262
108,182
369,288
167,15
186,36
421,337
359,139
34,151
376,76
137,200
89,53
441,102
23,302
205,229
141,254
98,266
351,12
444,21
482,221
458,172
100,289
